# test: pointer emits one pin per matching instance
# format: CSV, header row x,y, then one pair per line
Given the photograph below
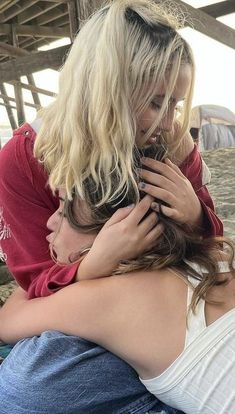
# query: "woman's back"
x,y
142,317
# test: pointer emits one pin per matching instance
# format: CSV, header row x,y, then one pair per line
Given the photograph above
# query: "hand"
x,y
168,184
124,236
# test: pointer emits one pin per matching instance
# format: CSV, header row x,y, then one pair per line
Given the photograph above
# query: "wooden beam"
x,y
41,14
17,87
208,25
7,106
35,89
220,9
34,30
9,99
5,29
52,15
60,21
15,10
7,4
9,50
33,43
73,19
24,65
35,96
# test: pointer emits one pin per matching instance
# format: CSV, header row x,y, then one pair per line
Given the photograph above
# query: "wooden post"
x,y
8,108
73,19
35,96
17,87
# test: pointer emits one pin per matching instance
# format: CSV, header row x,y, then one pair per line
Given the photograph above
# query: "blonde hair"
x,y
119,57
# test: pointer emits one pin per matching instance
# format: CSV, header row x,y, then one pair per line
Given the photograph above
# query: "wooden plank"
x,y
8,107
5,29
35,96
208,25
35,89
73,19
9,99
7,4
219,9
9,50
35,30
15,10
43,14
24,65
17,87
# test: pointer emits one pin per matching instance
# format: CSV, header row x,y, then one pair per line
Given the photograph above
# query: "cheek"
x,y
147,119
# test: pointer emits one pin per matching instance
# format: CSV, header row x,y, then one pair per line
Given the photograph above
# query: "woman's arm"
x,y
87,309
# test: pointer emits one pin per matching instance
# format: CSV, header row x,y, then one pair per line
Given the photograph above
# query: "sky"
x,y
215,69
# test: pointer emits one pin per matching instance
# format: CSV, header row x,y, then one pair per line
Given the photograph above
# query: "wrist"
x,y
90,270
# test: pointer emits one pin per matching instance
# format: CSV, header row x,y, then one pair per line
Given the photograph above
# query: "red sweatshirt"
x,y
26,203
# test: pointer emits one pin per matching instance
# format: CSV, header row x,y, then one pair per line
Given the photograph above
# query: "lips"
x,y
153,137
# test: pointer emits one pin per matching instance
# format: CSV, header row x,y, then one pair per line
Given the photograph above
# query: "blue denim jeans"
x,y
60,374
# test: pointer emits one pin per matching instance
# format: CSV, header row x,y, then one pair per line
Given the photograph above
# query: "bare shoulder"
x,y
141,287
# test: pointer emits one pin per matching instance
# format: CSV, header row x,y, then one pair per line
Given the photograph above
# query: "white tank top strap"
x,y
36,124
196,322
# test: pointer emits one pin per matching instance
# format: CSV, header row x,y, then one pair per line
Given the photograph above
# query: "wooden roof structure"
x,y
26,25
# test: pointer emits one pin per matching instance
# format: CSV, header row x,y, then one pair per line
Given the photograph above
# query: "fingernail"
x,y
130,206
143,159
155,206
142,185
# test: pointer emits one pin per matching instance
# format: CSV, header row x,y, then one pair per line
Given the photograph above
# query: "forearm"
x,y
90,269
20,317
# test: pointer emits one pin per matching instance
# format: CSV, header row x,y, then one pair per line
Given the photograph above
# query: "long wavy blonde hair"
x,y
118,59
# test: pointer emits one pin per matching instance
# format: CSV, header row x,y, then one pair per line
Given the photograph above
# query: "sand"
x,y
221,163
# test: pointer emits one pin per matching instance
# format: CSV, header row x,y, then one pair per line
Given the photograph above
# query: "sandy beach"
x,y
221,163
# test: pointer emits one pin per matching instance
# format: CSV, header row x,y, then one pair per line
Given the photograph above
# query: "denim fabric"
x,y
59,374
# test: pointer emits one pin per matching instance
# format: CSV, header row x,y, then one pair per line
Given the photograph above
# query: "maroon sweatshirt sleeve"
x,y
26,203
195,169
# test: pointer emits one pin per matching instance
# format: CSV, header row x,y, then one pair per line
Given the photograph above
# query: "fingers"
x,y
153,235
157,180
140,210
174,167
167,168
119,215
148,223
167,211
157,192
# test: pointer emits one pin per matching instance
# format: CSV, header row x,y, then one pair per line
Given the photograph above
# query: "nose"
x,y
52,221
166,123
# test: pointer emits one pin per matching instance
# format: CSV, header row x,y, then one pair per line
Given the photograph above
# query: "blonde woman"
x,y
119,89
169,313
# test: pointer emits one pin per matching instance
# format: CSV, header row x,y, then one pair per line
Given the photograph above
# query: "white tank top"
x,y
202,379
